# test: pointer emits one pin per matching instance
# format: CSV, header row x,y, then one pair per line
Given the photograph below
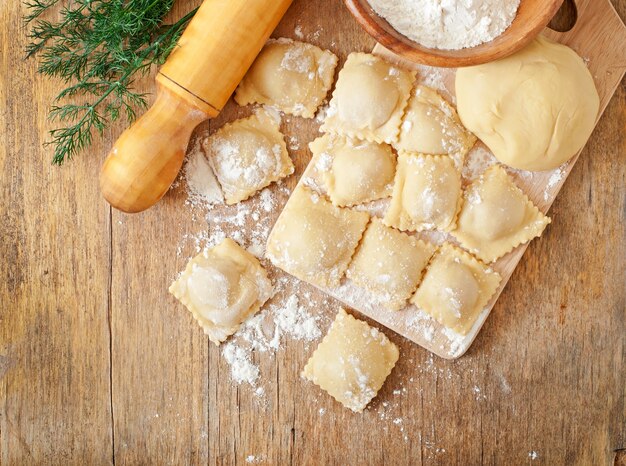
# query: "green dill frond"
x,y
97,48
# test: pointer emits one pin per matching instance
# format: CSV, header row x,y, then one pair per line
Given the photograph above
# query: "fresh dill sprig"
x,y
97,48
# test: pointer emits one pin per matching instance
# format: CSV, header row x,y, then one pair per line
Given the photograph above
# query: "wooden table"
x,y
99,365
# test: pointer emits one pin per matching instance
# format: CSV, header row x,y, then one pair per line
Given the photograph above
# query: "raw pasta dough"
x,y
248,154
352,362
314,240
497,216
291,76
455,289
222,287
534,109
431,126
389,264
369,99
354,171
426,193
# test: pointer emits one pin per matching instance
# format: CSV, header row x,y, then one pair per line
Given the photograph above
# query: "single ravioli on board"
x,y
389,264
222,287
430,125
369,99
292,76
248,154
426,193
456,288
315,240
354,171
497,216
352,362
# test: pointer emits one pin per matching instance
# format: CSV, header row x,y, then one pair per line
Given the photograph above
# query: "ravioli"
x,y
426,194
354,171
315,240
248,154
352,362
497,216
389,264
456,288
369,99
292,76
431,126
222,287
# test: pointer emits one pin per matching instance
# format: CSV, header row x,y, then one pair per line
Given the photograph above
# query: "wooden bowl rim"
x,y
502,46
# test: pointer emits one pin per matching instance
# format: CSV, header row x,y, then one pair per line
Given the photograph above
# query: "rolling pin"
x,y
210,59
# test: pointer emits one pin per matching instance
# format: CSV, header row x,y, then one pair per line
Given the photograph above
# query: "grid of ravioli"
x,y
352,362
222,287
375,115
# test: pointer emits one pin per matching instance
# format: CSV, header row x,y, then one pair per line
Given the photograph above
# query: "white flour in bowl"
x,y
448,24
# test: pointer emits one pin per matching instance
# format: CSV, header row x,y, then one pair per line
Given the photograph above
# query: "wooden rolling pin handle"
x,y
148,156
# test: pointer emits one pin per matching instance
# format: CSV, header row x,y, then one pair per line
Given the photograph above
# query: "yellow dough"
x,y
431,126
455,289
314,240
291,76
248,154
354,171
389,264
535,109
497,216
222,287
352,362
369,99
426,193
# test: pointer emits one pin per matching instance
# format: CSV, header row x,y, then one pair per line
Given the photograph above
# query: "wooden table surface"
x,y
99,365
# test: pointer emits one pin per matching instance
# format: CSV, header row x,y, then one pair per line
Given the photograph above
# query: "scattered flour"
x,y
202,187
448,24
298,32
241,367
553,181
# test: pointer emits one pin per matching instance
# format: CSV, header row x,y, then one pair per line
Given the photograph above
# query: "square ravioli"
x,y
291,76
430,125
222,287
369,99
455,288
352,362
426,193
248,154
497,216
315,240
354,171
389,264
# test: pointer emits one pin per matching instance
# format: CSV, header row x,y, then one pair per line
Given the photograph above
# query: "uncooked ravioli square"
x,y
369,99
248,154
352,362
292,76
389,264
315,240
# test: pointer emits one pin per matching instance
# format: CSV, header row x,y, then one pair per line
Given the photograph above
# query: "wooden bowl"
x,y
532,17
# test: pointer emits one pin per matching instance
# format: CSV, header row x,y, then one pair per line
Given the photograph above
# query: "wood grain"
x,y
549,364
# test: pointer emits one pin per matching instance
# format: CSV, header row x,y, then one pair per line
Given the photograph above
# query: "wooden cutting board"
x,y
599,37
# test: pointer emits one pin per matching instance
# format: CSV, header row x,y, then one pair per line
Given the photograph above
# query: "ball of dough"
x,y
535,109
